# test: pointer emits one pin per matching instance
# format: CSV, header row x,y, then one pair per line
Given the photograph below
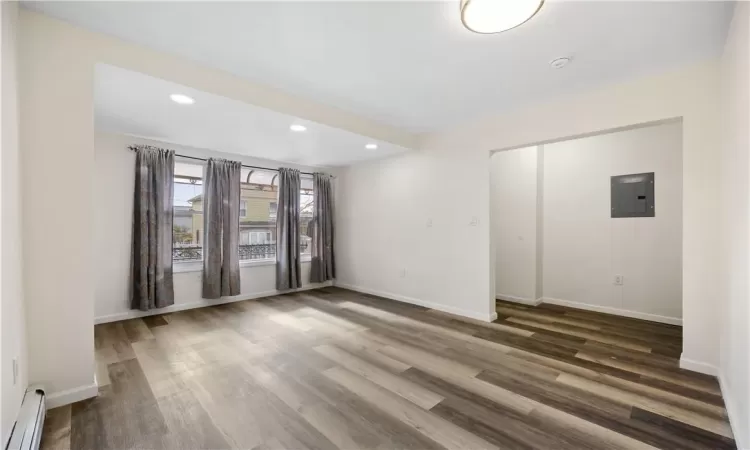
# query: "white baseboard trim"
x,y
488,317
730,404
514,299
200,304
615,311
73,395
698,366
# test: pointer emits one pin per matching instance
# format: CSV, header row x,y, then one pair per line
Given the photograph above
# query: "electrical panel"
x,y
633,195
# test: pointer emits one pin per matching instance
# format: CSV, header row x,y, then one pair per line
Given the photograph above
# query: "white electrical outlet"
x,y
403,273
15,370
618,280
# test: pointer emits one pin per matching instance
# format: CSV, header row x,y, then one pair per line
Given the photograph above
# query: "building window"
x,y
187,226
273,207
243,208
260,237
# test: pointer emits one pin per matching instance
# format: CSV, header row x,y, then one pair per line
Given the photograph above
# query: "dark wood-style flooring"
x,y
335,369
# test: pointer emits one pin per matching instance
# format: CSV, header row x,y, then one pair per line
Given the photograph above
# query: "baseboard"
x,y
615,311
730,403
488,317
69,396
523,300
698,366
134,314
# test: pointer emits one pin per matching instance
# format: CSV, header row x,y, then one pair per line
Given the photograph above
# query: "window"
x,y
187,226
306,208
258,192
260,237
258,211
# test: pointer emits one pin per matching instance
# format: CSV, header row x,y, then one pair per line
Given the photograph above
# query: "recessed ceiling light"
x,y
371,146
559,63
495,16
298,128
182,99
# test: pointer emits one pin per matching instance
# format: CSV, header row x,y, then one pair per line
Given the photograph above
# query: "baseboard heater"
x,y
27,431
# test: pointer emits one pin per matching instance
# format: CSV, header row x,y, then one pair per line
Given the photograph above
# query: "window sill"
x,y
257,262
197,266
192,266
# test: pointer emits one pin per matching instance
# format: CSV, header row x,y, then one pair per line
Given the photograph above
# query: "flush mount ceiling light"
x,y
495,16
298,128
182,99
371,146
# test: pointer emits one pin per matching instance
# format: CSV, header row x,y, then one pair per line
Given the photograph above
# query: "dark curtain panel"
x,y
323,264
287,231
151,257
221,221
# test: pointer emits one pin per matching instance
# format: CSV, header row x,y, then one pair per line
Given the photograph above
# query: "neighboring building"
x,y
258,206
182,225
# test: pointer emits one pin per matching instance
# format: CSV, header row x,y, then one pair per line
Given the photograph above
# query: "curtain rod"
x,y
134,148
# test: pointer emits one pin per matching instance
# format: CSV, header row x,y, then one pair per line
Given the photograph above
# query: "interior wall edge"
x,y
134,314
68,396
615,311
731,407
539,223
516,299
698,366
486,317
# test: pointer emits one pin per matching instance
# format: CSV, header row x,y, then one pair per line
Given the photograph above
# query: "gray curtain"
x,y
287,231
221,221
151,284
323,264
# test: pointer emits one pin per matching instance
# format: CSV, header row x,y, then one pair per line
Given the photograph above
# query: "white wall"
x,y
735,193
514,223
57,148
452,263
584,248
113,188
407,229
13,319
57,173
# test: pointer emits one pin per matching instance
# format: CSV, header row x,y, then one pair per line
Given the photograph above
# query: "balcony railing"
x,y
247,252
257,251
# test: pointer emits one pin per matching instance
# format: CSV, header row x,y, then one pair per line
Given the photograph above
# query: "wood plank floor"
x,y
335,369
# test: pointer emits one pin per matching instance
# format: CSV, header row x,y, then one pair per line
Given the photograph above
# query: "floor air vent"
x,y
27,433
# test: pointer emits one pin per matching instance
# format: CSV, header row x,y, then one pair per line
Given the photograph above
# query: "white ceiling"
x,y
137,104
412,64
